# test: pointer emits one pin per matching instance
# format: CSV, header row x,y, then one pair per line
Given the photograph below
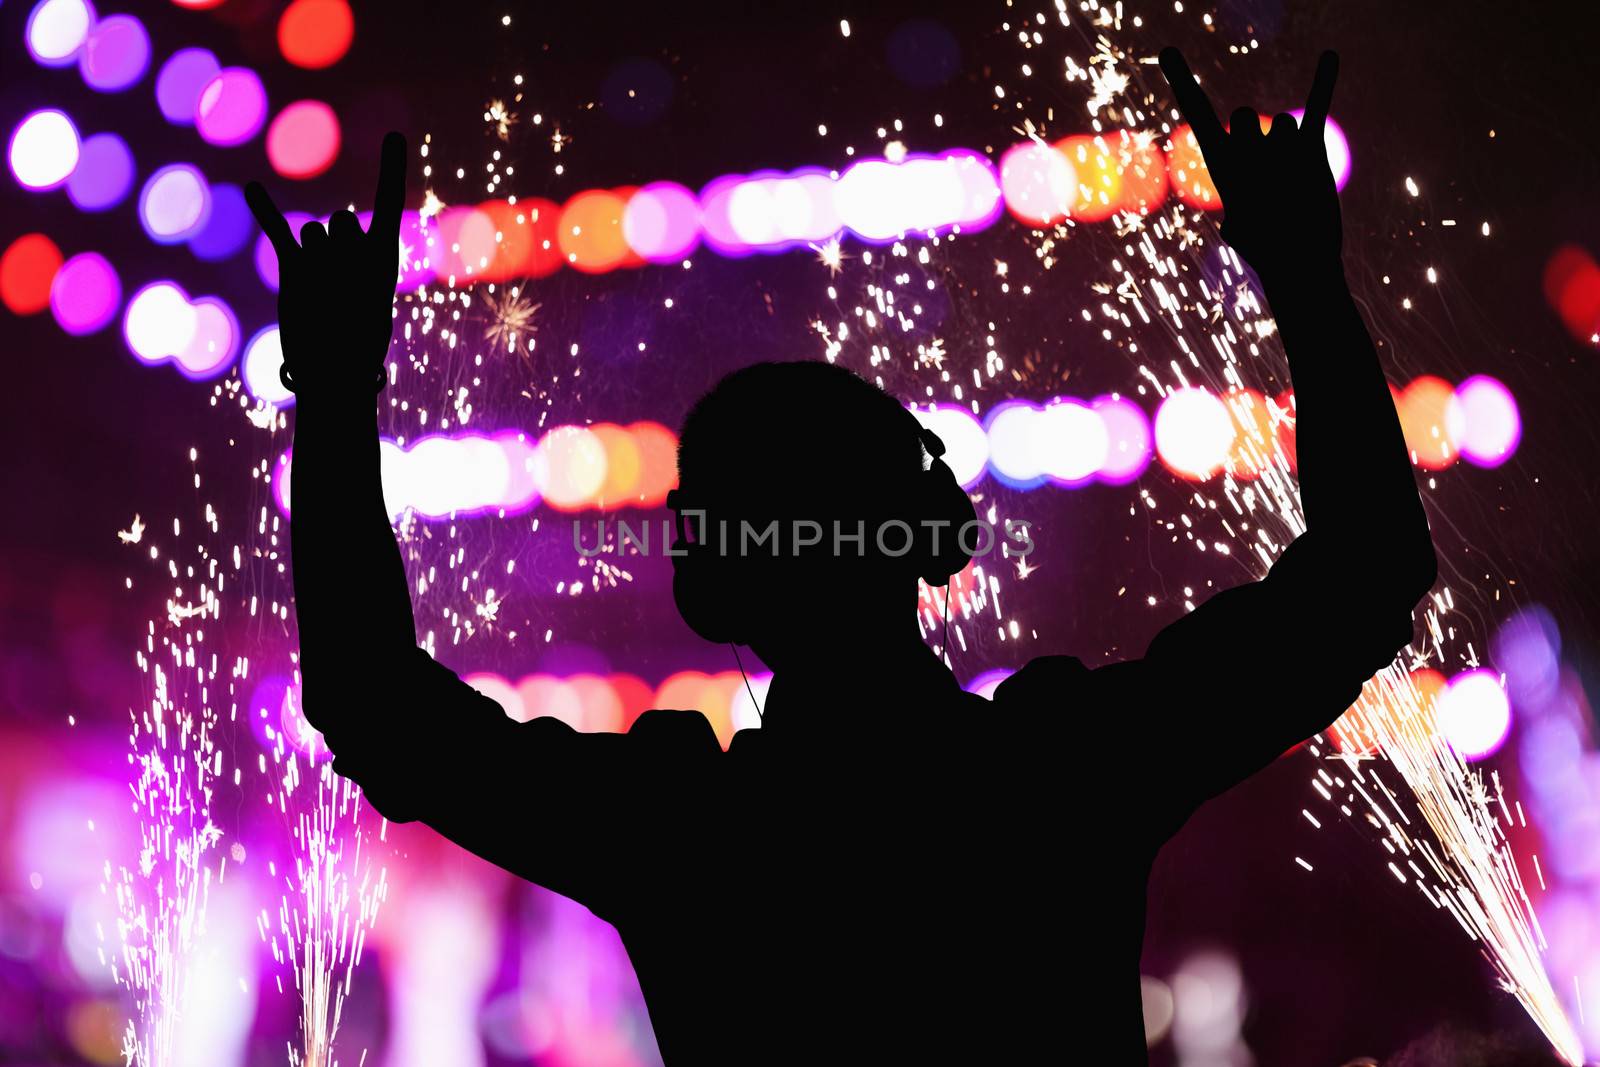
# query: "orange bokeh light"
x,y
1142,168
1422,406
1099,177
623,466
316,33
1187,166
1252,450
658,463
590,231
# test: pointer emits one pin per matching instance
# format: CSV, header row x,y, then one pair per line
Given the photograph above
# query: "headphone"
x,y
709,588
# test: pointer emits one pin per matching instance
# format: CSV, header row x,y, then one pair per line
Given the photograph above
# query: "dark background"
x,y
1340,963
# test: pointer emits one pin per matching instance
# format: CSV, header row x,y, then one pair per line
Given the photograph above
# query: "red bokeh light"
x,y
303,141
1572,288
27,268
316,33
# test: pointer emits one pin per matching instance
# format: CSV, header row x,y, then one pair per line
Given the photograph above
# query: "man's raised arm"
x,y
1264,666
577,813
335,316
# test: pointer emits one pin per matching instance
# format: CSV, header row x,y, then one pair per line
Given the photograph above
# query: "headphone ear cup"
x,y
947,504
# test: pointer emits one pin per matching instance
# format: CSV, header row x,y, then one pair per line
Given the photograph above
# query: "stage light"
x,y
966,445
715,225
57,29
180,81
1423,407
1187,167
27,270
1483,421
466,245
481,475
159,322
522,489
1337,147
1127,439
986,683
44,150
1474,714
1039,183
85,294
1142,173
315,33
116,54
104,173
811,215
658,463
1255,435
1099,186
622,466
1073,440
263,356
232,107
1015,454
980,184
1193,433
1527,648
175,203
589,233
213,344
1572,289
228,228
661,222
266,256
303,140
570,467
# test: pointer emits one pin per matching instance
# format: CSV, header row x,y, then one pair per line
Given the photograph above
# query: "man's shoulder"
x,y
1042,678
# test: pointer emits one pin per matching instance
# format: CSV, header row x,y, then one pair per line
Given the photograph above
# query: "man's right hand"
x,y
336,286
1278,195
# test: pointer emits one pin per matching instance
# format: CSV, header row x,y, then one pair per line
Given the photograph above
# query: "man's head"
x,y
772,463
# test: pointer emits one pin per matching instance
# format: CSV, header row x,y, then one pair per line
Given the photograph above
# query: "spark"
x,y
510,316
496,112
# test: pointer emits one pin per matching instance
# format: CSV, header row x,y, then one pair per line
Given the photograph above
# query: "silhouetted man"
x,y
889,870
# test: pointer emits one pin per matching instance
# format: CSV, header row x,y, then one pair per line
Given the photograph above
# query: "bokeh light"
x,y
215,340
232,107
1073,441
159,322
1128,439
303,140
227,229
44,150
590,231
116,54
1423,406
175,203
104,173
57,29
1194,433
966,445
1483,421
180,82
1039,184
263,357
1474,714
27,269
315,33
85,294
1015,455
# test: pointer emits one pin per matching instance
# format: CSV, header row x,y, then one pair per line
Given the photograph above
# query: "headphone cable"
x,y
746,678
